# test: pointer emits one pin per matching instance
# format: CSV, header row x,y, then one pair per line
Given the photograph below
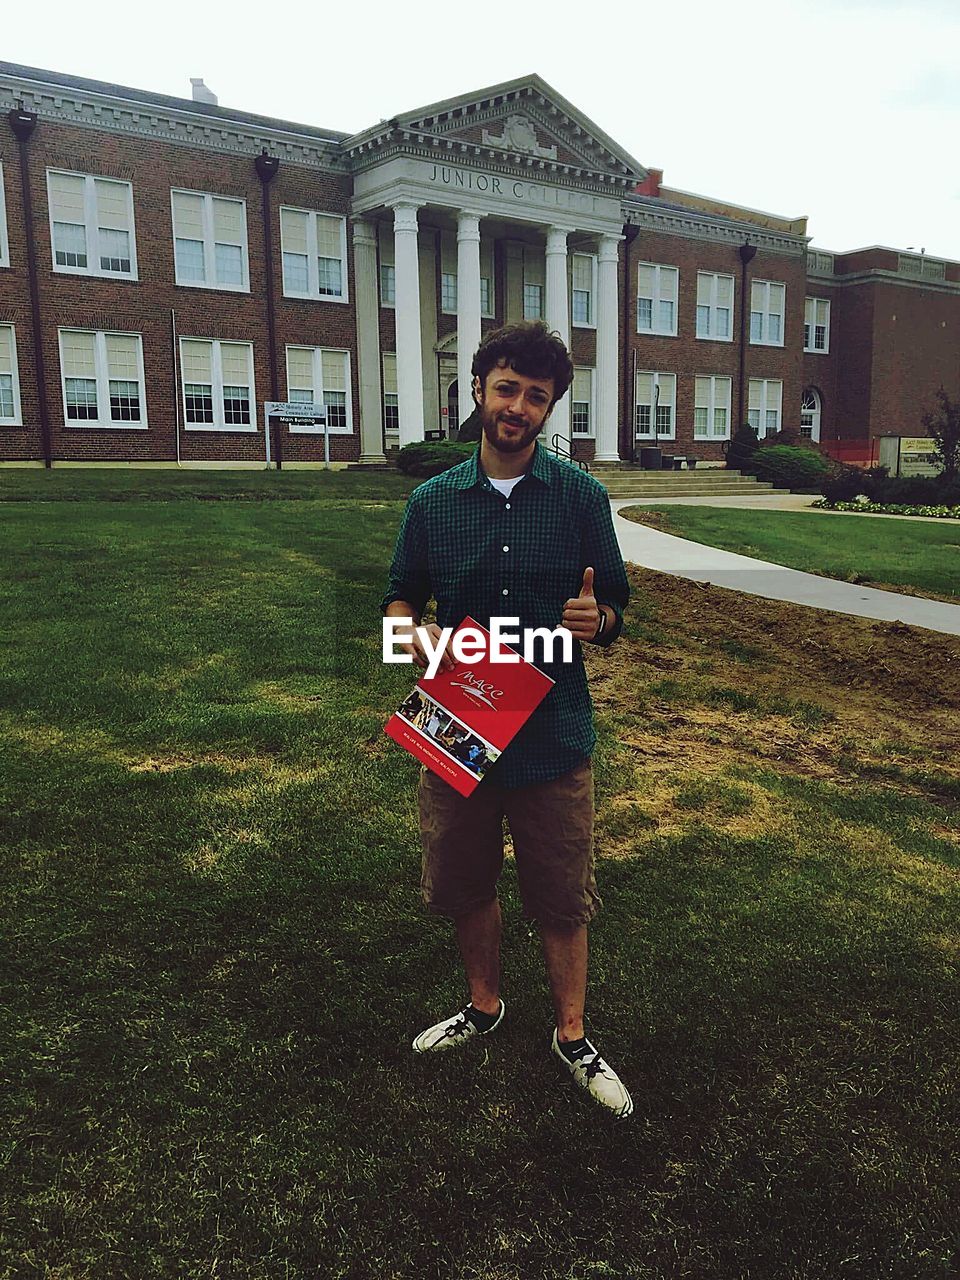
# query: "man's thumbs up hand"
x,y
580,614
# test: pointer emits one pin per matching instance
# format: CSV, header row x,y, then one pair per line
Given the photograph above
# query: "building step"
x,y
651,495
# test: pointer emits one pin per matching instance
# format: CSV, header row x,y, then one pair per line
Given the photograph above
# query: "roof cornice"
x,y
96,104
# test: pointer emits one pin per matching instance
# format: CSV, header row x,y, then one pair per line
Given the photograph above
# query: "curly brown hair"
x,y
528,347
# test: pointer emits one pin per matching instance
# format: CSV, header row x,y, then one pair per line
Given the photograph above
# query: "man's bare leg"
x,y
478,934
565,953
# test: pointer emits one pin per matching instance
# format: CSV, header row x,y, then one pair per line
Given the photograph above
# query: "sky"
x,y
846,111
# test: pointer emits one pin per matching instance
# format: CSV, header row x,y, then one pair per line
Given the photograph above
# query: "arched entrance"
x,y
810,407
452,401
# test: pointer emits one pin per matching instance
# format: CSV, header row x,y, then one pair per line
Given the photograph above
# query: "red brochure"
x,y
458,722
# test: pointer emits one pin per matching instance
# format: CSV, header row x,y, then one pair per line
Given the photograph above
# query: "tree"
x,y
943,424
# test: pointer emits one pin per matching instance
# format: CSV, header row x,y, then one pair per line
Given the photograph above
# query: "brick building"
x,y
168,265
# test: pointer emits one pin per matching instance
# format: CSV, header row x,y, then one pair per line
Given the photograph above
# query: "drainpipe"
x,y
630,233
266,167
747,252
23,124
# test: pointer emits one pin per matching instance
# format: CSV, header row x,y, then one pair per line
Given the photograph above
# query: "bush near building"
x,y
788,466
430,457
845,484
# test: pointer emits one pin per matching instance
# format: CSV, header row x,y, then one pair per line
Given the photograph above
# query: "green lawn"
x,y
215,956
898,553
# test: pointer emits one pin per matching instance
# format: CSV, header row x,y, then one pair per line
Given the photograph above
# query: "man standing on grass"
x,y
512,532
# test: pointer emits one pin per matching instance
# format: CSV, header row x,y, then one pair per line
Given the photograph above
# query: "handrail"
x,y
561,451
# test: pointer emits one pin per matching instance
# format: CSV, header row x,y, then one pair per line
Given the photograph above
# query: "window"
x,y
102,378
655,413
4,242
816,325
821,263
919,265
766,313
9,378
584,268
391,401
534,275
810,407
388,272
711,414
217,384
765,400
581,413
314,247
448,274
320,375
715,306
657,299
91,225
210,241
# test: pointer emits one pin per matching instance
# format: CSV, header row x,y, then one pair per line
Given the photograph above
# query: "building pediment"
x,y
522,125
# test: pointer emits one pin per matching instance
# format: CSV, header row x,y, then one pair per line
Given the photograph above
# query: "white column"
x,y
468,305
368,340
409,369
608,347
558,319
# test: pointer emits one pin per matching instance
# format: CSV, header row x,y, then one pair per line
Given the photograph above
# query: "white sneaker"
x,y
451,1033
597,1077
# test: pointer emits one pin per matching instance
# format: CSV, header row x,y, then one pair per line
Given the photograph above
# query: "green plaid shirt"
x,y
478,553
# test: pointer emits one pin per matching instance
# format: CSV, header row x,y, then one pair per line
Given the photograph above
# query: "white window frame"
x,y
4,241
103,381
17,419
386,260
655,434
659,296
766,312
313,293
810,326
216,373
770,400
713,306
714,402
591,432
387,356
533,276
448,257
209,243
592,322
317,354
91,227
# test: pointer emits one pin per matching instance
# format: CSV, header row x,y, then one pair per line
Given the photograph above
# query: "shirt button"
x,y
505,591
506,548
508,506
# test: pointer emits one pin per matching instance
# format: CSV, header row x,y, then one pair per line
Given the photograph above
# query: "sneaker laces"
x,y
459,1028
596,1067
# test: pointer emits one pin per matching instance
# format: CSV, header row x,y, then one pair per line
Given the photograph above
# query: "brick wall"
x,y
154,305
688,356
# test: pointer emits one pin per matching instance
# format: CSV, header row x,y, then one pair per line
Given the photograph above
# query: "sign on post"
x,y
296,417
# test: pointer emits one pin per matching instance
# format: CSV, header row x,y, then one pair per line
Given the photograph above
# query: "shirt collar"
x,y
471,473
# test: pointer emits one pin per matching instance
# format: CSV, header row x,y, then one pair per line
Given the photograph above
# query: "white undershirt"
x,y
505,487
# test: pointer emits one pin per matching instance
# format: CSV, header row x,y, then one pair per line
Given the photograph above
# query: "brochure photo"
x,y
458,722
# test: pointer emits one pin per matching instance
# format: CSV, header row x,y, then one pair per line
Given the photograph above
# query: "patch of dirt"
x,y
714,680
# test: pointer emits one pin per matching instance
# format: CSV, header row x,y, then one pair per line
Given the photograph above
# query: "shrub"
x,y
741,448
788,467
430,457
928,491
844,483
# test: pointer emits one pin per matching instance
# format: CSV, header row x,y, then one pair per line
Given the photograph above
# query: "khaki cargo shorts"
x,y
551,824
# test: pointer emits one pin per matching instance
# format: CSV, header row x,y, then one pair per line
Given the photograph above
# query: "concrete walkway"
x,y
684,559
